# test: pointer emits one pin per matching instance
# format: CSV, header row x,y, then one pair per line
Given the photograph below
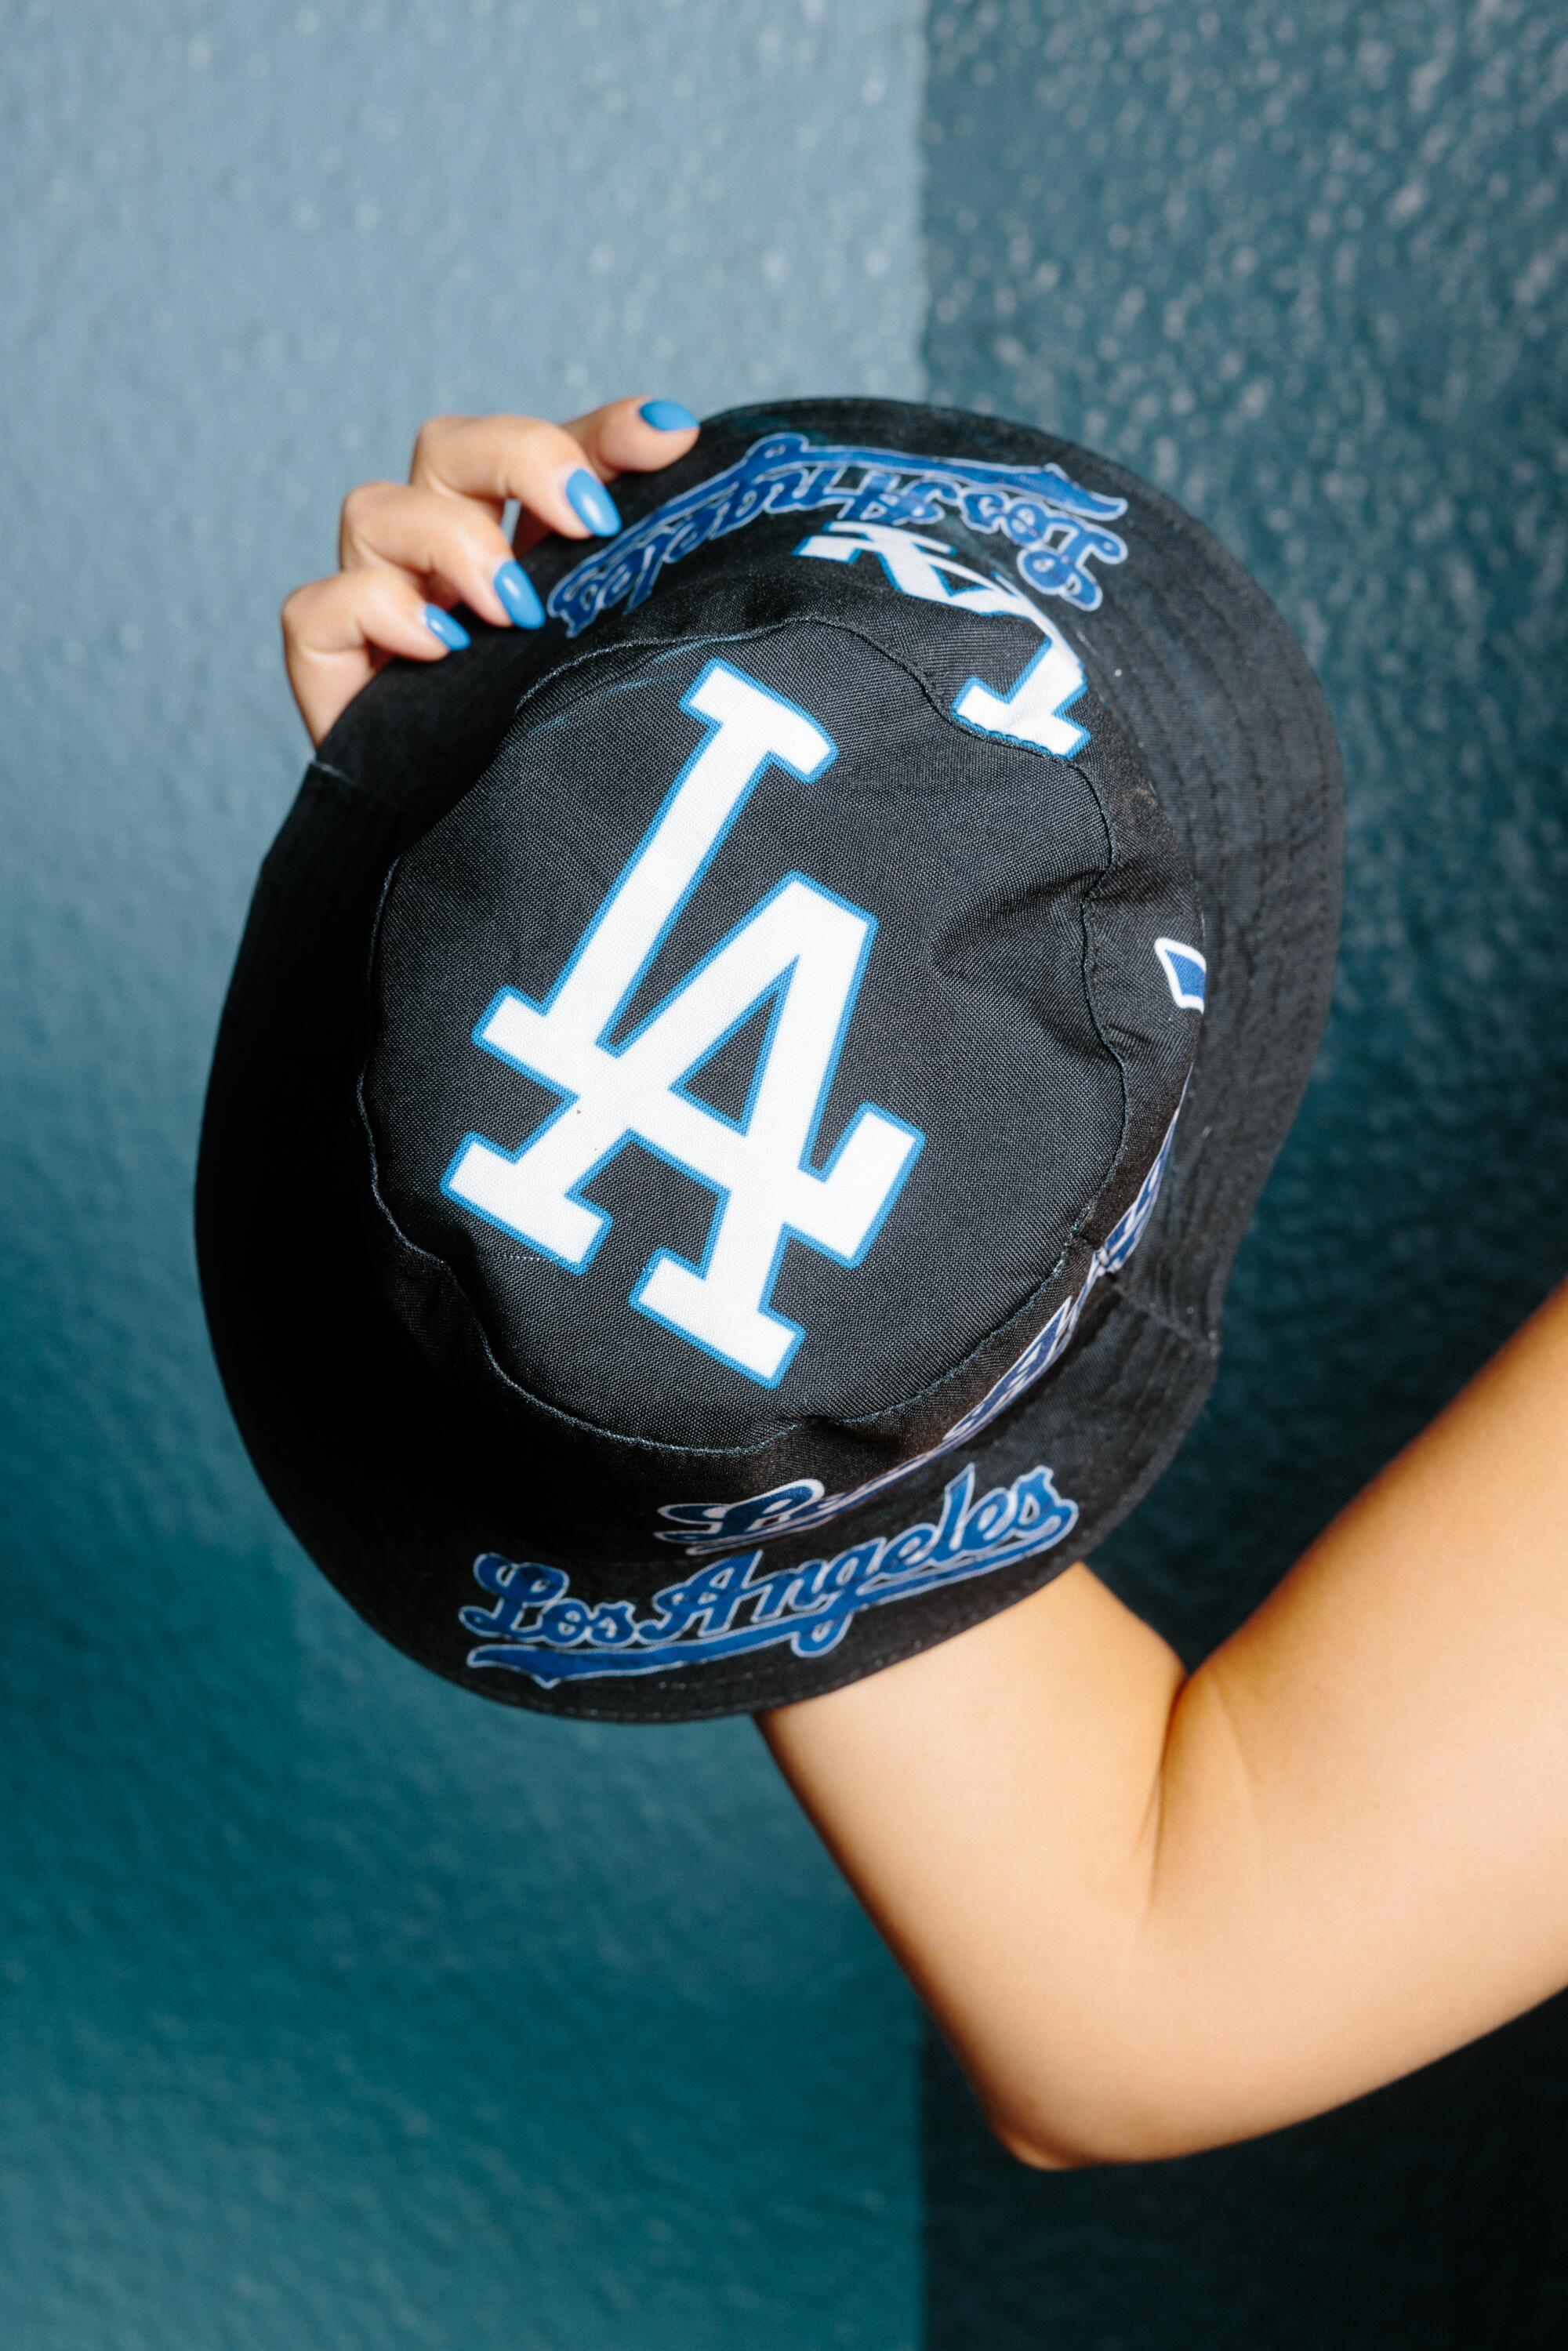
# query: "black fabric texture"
x,y
1002,1013
418,1389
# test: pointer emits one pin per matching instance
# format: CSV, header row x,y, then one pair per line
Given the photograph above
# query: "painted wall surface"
x,y
338,2009
1307,269
335,2008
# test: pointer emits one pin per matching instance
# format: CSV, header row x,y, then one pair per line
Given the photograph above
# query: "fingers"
x,y
634,436
408,550
557,473
454,546
338,632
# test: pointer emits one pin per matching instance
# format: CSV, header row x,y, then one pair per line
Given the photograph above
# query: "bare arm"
x,y
1153,1914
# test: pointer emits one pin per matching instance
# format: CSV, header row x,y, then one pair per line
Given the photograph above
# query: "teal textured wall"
x,y
1307,270
338,2009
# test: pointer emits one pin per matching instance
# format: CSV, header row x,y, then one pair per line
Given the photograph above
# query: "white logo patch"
x,y
1031,711
801,945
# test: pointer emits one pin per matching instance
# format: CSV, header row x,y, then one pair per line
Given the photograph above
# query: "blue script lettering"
x,y
735,1606
789,1510
1057,525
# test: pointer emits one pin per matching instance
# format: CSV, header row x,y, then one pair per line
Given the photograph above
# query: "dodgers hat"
x,y
735,1109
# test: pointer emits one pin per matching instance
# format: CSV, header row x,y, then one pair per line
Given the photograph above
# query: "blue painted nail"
x,y
666,415
517,593
593,504
441,624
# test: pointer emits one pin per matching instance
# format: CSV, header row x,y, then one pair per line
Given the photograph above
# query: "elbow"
x,y
1150,2139
1058,2126
1040,2148
1031,2151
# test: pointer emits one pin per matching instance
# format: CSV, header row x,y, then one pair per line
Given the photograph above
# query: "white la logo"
x,y
1034,708
801,945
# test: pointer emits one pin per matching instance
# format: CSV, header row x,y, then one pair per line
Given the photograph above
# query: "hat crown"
x,y
886,1050
763,1042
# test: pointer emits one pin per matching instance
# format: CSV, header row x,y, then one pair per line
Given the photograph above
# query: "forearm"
x,y
1152,1916
995,1807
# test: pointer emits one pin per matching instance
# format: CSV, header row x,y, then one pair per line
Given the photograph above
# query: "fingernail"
x,y
517,593
666,416
441,624
592,503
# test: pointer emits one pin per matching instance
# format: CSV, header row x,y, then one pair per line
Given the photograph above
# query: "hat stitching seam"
x,y
1269,874
1026,1306
742,1679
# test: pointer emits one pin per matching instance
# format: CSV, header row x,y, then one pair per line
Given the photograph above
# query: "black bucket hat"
x,y
735,1109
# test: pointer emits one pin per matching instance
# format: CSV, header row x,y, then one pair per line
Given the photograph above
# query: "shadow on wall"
x,y
1307,273
338,2011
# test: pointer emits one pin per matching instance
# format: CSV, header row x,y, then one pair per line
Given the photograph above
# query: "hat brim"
x,y
389,1490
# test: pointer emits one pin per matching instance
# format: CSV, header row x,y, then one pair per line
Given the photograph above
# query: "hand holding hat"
x,y
737,1102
